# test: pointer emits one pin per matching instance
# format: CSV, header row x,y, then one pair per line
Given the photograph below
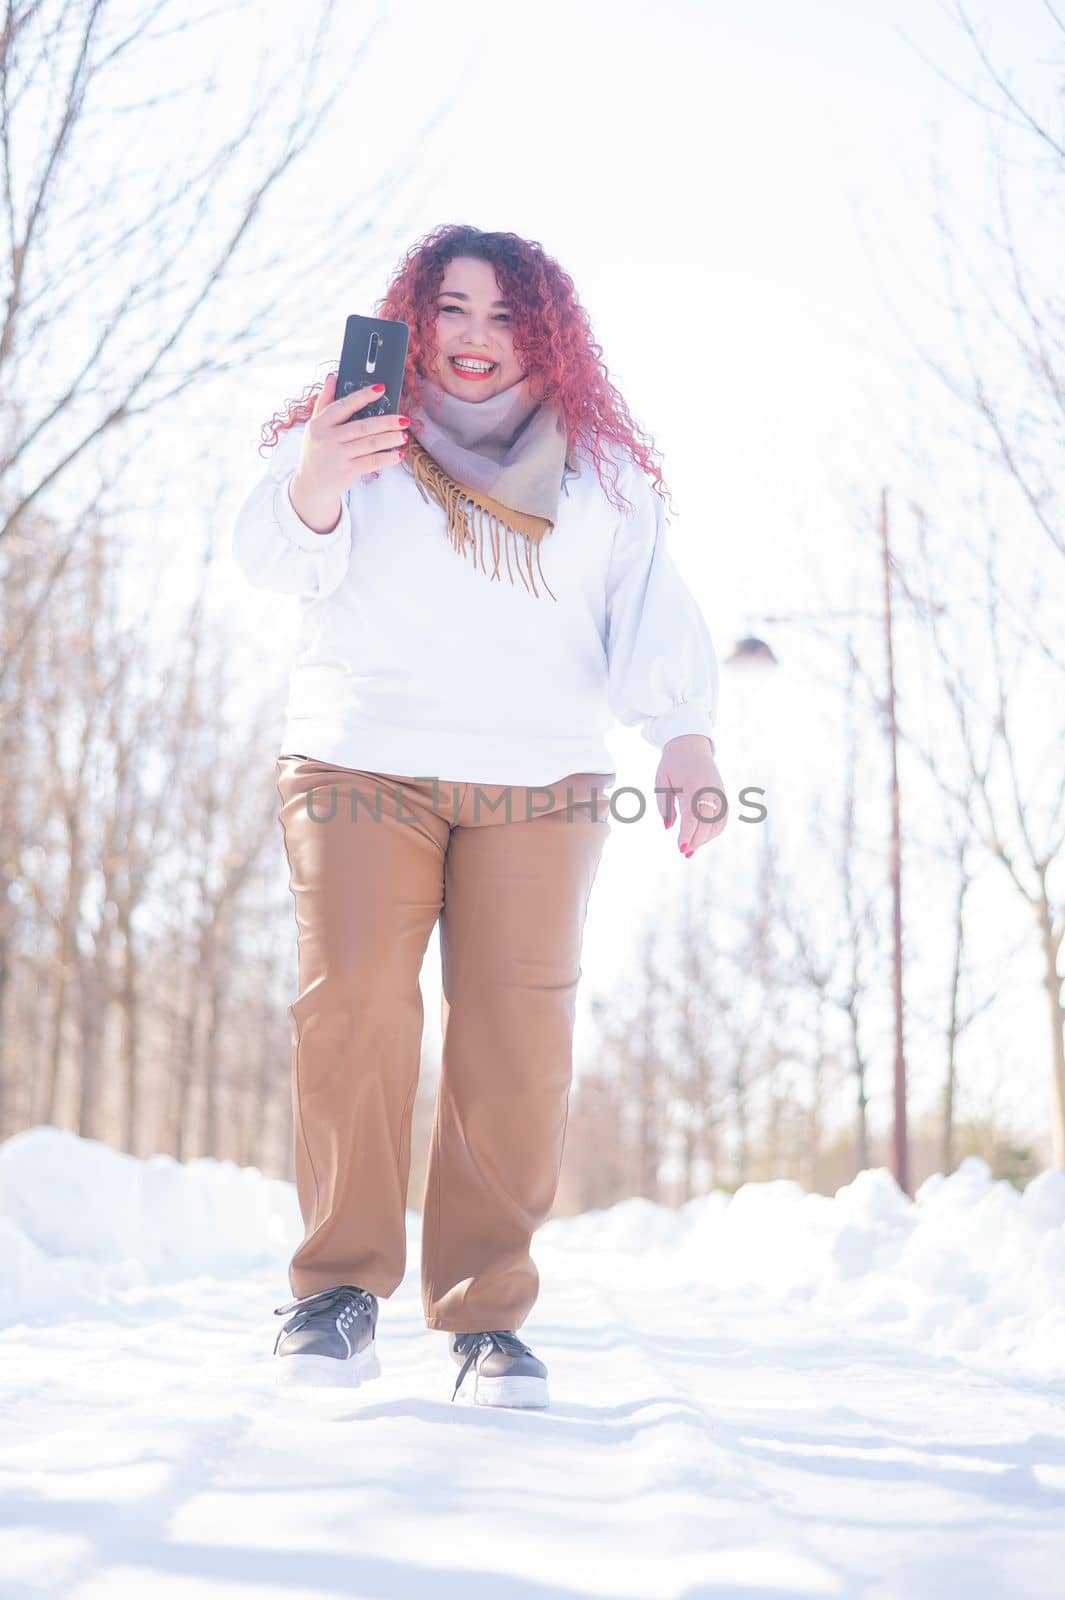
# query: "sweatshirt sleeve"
x,y
272,546
662,666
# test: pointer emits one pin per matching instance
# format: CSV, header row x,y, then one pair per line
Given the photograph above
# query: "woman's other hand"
x,y
688,785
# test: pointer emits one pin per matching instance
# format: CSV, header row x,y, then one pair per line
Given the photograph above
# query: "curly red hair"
x,y
552,339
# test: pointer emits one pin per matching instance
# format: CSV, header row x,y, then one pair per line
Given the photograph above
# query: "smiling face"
x,y
473,321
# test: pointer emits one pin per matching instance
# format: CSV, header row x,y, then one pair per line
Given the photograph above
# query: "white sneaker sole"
x,y
328,1372
524,1392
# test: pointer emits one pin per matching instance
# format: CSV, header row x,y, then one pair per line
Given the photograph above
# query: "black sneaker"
x,y
330,1340
506,1373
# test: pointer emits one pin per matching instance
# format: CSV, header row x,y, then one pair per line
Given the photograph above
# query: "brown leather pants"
x,y
374,860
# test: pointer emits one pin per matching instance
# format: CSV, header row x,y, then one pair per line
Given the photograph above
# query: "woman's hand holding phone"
x,y
338,448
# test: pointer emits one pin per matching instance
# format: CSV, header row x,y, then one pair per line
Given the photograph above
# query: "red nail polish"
x,y
378,388
403,421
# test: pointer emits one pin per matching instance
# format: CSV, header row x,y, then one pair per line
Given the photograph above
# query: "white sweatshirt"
x,y
416,663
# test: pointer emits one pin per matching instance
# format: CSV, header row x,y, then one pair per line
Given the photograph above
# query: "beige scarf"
x,y
498,463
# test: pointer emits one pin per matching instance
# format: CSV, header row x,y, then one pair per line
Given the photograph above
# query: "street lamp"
x,y
752,654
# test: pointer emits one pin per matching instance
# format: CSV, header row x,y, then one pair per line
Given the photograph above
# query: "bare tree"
x,y
649,1085
151,252
133,844
697,1001
1009,793
831,957
1022,828
595,1171
959,1017
132,809
1013,309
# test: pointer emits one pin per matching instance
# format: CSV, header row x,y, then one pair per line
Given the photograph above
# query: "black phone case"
x,y
375,351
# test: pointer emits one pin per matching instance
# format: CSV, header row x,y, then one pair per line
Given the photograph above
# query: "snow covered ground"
x,y
774,1396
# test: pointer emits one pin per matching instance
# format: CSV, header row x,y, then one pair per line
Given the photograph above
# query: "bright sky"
x,y
742,196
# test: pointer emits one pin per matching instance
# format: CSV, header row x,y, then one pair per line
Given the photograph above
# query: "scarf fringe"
x,y
463,505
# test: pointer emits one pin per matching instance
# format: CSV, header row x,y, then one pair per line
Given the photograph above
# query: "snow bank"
x,y
78,1219
970,1267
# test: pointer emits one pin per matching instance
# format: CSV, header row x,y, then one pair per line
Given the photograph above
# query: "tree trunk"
x,y
1052,980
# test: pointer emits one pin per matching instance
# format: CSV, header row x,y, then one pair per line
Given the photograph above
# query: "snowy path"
x,y
701,1444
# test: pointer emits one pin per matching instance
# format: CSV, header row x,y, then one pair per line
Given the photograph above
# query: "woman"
x,y
443,758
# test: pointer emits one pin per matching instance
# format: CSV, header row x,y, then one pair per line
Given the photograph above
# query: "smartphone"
x,y
374,351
